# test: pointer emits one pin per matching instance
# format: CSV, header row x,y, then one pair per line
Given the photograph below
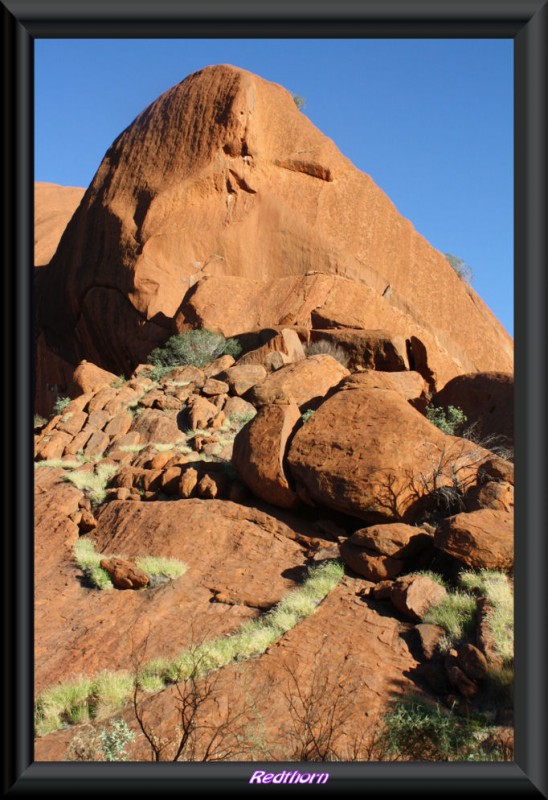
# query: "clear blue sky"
x,y
430,120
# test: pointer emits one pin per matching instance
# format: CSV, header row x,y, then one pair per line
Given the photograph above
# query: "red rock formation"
x,y
53,207
223,176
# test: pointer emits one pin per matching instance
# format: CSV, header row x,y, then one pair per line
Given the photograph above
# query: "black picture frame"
x,y
526,22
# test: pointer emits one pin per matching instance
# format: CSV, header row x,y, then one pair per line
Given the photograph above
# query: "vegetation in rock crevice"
x,y
84,699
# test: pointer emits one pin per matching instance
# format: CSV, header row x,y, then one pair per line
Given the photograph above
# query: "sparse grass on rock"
x,y
87,698
456,613
88,559
164,567
93,483
495,586
415,730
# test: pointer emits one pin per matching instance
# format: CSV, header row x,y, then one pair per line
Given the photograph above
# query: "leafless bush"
x,y
325,347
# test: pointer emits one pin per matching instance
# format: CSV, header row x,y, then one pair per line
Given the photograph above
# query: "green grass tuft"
x,y
112,689
93,483
496,587
456,613
89,560
166,567
58,463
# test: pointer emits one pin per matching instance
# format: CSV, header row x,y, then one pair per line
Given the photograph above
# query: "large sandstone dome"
x,y
223,205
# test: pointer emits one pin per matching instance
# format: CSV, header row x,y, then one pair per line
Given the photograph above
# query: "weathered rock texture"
x,y
368,453
223,185
481,539
53,207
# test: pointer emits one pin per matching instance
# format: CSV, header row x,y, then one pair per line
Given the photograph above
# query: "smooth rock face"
x,y
481,539
219,150
367,453
54,205
259,450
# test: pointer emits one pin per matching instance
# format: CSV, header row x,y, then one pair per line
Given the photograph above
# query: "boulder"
x,y
367,349
458,678
242,378
497,469
304,382
237,407
156,426
472,661
124,574
214,387
497,495
186,375
119,425
88,377
392,539
72,422
481,539
368,453
219,365
429,637
414,595
259,451
200,411
52,445
101,398
280,348
369,564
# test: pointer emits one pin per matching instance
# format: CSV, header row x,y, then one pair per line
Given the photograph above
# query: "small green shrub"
x,y
299,101
198,347
306,416
450,420
108,744
60,404
119,381
39,421
418,731
325,347
463,270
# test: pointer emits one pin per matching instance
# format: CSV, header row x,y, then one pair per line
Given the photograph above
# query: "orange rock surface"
x,y
222,178
54,205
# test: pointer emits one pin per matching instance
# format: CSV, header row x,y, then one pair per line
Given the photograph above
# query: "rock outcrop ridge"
x,y
221,185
